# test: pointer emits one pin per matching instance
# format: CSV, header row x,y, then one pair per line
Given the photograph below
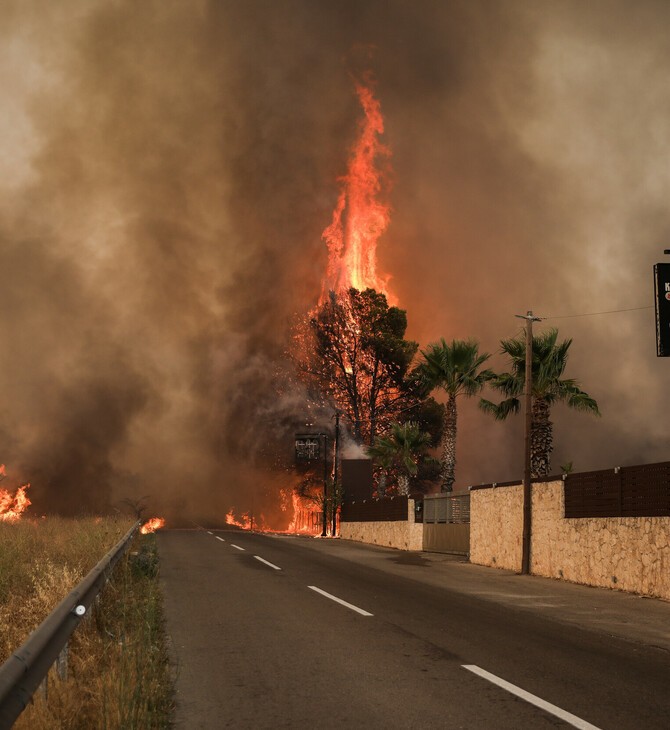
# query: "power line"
x,y
593,314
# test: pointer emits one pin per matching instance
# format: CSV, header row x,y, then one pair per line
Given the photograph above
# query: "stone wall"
x,y
401,534
496,523
627,553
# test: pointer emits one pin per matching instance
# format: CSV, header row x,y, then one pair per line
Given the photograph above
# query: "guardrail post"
x,y
61,662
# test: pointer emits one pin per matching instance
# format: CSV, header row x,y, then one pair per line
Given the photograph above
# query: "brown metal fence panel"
x,y
632,491
389,509
645,490
593,494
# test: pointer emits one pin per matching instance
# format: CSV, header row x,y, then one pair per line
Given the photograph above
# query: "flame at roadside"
x,y
306,516
155,523
245,521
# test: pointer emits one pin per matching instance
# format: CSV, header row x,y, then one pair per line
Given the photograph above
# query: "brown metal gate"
x,y
446,523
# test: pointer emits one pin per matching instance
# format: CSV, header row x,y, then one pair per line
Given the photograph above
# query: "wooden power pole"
x,y
528,394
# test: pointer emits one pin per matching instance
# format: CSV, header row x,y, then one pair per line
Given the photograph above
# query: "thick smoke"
x,y
168,170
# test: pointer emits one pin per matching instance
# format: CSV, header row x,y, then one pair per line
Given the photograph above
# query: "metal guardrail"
x,y
23,672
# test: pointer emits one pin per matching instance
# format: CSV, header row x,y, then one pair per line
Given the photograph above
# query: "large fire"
x,y
155,523
12,506
360,216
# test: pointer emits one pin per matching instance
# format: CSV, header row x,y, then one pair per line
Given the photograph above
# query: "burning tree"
x,y
352,352
355,354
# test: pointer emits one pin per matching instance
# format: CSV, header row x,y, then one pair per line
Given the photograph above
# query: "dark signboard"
x,y
308,447
356,479
662,289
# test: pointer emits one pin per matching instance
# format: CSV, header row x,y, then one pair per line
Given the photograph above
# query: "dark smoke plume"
x,y
168,171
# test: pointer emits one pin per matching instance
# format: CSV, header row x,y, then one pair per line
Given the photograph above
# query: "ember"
x,y
155,523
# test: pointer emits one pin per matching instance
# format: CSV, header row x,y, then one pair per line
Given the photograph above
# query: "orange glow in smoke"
x,y
155,523
360,216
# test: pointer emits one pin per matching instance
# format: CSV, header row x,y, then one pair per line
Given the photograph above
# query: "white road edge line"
x,y
272,565
340,601
528,697
219,538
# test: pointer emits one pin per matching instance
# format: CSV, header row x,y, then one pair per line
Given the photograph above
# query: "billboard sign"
x,y
662,291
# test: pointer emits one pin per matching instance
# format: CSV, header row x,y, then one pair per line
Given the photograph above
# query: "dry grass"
x,y
118,671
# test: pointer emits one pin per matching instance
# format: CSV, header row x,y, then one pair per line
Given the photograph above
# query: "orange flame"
x,y
155,523
13,506
360,217
304,514
244,522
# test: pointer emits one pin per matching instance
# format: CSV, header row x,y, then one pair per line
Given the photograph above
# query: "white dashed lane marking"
x,y
532,699
340,601
272,565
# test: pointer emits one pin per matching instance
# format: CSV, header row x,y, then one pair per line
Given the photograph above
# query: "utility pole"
x,y
337,448
527,500
324,518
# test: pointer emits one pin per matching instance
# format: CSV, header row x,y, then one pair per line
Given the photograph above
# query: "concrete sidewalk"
x,y
627,616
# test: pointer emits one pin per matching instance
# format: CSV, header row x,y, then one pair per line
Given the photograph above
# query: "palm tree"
x,y
455,368
401,447
549,362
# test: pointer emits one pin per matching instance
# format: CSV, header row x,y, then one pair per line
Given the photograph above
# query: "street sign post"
x,y
310,447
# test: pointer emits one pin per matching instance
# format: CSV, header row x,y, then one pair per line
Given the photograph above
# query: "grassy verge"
x,y
118,672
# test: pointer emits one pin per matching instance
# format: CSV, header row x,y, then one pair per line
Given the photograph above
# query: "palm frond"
x,y
454,367
500,411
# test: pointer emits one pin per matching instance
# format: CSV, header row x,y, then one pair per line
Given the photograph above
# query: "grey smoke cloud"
x,y
168,169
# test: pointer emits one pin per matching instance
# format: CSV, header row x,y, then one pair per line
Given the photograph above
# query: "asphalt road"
x,y
285,632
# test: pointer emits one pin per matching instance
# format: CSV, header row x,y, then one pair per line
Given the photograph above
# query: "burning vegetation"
x,y
155,523
12,505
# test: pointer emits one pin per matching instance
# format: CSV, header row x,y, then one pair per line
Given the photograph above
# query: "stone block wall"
x,y
496,524
626,553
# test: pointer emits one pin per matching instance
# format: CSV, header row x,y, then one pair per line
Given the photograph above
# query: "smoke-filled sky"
x,y
168,168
